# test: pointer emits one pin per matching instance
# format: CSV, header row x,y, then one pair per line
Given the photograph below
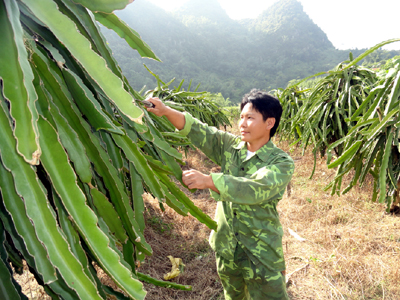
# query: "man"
x,y
253,178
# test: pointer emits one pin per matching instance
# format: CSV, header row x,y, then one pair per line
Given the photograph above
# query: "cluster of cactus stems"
x,y
77,152
351,113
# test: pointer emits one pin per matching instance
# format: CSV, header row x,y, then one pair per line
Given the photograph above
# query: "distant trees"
x,y
227,56
379,58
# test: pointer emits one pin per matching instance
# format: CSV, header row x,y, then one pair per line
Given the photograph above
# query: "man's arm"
x,y
192,178
160,109
266,184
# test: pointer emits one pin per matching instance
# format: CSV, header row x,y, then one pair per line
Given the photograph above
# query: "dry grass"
x,y
171,234
30,286
351,249
352,245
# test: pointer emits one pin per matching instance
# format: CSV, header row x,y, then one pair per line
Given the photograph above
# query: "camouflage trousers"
x,y
242,279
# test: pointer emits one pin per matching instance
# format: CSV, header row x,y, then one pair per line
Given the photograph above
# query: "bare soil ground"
x,y
346,247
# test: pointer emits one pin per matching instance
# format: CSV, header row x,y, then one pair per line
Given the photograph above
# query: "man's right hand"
x,y
159,109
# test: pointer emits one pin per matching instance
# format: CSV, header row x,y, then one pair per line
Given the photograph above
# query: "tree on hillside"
x,y
207,46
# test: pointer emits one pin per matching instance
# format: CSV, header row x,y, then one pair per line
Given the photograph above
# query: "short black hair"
x,y
266,104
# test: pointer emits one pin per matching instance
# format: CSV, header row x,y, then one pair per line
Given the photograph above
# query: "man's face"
x,y
253,129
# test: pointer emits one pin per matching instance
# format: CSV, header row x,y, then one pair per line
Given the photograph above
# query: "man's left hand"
x,y
197,180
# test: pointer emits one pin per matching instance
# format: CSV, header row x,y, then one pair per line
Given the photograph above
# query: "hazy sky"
x,y
348,23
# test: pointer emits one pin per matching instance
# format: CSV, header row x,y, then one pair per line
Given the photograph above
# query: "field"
x,y
75,156
346,247
350,249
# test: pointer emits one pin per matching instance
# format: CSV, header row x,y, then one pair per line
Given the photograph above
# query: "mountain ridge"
x,y
201,42
209,9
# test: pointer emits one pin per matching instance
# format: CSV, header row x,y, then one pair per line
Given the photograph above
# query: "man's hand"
x,y
197,180
159,109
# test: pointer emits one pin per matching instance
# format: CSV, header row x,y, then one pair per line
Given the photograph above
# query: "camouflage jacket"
x,y
249,190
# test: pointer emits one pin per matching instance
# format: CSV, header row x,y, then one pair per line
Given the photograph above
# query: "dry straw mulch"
x,y
171,234
351,248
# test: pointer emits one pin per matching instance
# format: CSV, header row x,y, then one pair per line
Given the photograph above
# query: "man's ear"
x,y
270,122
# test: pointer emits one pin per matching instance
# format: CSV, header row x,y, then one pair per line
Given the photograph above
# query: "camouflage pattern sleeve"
x,y
255,186
211,141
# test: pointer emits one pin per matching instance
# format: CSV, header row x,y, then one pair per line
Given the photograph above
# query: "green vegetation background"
x,y
200,42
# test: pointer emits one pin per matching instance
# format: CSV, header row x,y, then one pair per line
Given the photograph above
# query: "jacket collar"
x,y
263,153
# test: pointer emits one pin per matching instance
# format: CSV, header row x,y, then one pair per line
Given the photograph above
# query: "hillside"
x,y
201,42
